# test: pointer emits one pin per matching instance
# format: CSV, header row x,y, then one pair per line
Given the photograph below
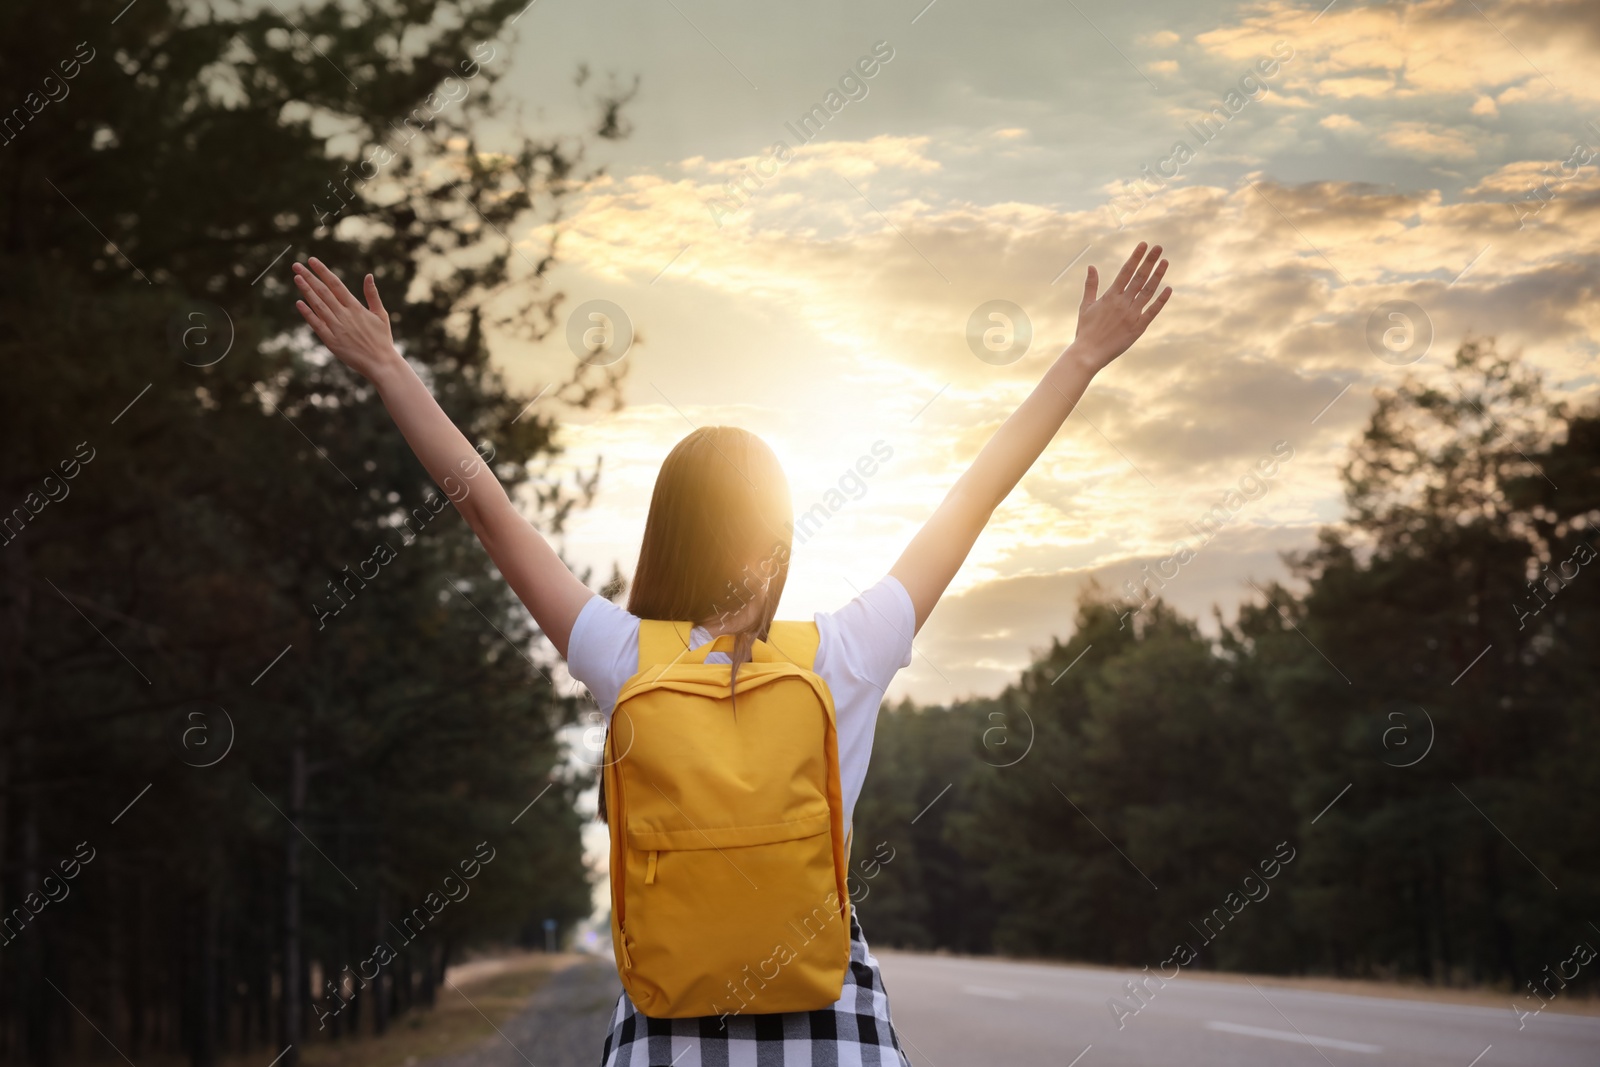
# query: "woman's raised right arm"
x,y
359,335
1107,324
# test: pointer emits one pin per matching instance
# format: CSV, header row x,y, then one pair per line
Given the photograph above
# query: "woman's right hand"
x,y
1109,322
358,335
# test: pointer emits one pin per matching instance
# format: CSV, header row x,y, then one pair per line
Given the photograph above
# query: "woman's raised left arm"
x,y
360,336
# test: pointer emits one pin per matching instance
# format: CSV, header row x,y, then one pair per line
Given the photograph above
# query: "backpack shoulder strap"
x,y
661,641
795,642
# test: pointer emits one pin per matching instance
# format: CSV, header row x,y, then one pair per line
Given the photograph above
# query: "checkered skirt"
x,y
854,1032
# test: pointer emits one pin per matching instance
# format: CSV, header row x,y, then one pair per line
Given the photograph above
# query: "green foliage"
x,y
1166,759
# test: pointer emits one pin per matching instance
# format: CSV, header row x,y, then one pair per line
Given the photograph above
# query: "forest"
x,y
1405,733
267,714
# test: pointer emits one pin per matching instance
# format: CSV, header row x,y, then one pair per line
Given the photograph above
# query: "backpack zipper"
x,y
627,960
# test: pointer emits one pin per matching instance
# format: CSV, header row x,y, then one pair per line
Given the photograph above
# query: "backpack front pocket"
x,y
776,939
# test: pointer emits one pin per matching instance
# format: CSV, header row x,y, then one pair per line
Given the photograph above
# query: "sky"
x,y
1438,161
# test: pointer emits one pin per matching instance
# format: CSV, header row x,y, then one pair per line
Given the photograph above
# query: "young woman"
x,y
716,550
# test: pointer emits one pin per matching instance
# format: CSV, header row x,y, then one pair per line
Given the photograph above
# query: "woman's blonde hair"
x,y
717,536
716,539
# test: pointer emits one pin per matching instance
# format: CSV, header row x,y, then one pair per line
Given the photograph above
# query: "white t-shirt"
x,y
859,650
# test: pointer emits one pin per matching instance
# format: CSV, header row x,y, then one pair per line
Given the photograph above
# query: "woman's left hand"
x,y
358,335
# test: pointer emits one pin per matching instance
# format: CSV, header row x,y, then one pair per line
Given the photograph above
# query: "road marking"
x,y
1298,1039
990,991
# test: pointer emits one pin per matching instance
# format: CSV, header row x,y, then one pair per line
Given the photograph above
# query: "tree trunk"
x,y
380,984
264,997
1505,958
204,1051
39,1013
291,1013
358,996
138,1005
14,597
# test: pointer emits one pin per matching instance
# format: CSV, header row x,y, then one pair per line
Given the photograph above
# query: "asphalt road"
x,y
958,1012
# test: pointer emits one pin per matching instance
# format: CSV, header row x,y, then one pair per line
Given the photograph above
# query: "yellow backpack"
x,y
728,856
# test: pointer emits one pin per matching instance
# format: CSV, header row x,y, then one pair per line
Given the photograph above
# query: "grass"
x,y
491,991
458,1021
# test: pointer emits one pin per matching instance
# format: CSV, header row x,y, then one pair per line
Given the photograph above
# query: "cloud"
x,y
1429,139
829,307
1275,285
